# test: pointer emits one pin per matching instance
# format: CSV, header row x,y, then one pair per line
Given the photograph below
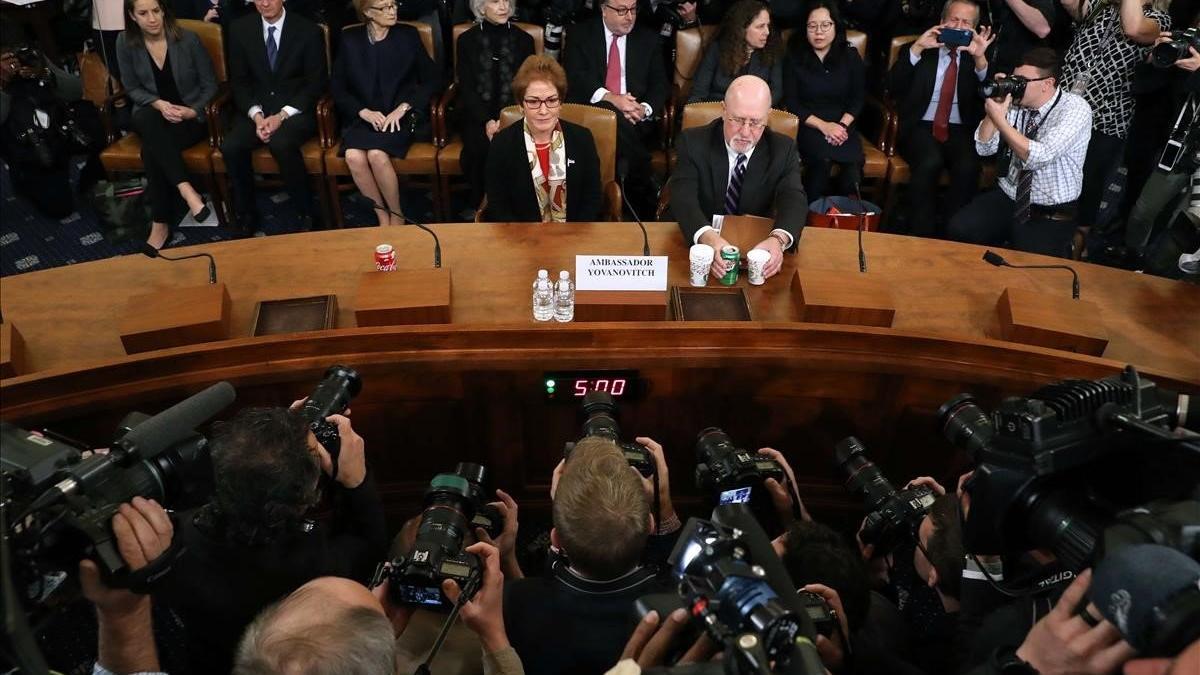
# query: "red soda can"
x,y
385,258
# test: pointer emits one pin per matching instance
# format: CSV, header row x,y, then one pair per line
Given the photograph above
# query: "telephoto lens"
x,y
966,425
332,396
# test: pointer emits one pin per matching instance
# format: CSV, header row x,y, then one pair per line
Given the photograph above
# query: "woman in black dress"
x,y
747,45
382,84
825,86
488,56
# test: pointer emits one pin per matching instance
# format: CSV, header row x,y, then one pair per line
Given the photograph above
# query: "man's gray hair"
x,y
973,3
285,640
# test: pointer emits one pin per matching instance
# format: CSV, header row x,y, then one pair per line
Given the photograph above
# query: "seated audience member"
x,y
544,169
489,55
576,619
383,80
735,165
1047,131
253,543
169,76
277,72
334,625
826,87
746,46
614,64
936,89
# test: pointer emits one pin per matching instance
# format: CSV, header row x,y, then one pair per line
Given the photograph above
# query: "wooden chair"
x,y
603,125
690,44
450,146
125,155
421,159
313,151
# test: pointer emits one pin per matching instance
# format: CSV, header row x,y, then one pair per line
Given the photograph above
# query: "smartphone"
x,y
955,37
1170,155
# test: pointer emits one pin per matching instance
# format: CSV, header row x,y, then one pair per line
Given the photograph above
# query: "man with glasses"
x,y
613,63
736,166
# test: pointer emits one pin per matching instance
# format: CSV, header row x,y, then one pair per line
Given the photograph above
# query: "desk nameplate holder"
x,y
403,297
175,317
12,351
1054,321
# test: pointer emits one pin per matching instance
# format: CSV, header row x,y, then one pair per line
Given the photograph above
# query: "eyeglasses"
x,y
740,122
622,11
822,27
385,8
535,103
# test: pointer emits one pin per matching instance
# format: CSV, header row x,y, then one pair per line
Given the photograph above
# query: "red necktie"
x,y
612,78
941,118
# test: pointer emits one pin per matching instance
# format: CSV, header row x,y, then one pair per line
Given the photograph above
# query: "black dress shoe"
x,y
203,215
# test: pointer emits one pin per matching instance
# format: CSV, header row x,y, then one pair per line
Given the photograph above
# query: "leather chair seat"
x,y
264,163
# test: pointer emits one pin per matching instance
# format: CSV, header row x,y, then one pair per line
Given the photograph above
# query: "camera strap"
x,y
468,592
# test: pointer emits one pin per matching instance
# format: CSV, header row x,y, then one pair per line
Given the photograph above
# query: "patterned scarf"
x,y
551,190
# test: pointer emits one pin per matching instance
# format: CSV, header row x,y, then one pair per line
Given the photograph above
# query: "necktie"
x,y
941,118
733,193
1025,176
612,77
272,47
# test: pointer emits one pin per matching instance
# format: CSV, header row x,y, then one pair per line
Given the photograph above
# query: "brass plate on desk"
x,y
712,303
295,315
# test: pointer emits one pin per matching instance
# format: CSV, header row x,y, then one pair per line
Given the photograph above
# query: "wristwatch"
x,y
1006,661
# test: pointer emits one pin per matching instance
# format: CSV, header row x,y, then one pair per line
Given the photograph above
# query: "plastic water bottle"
x,y
543,297
564,298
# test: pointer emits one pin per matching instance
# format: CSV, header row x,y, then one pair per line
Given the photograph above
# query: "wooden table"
x,y
474,384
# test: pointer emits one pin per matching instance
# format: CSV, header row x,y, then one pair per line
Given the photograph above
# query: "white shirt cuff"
x,y
598,95
981,74
912,58
292,112
706,228
649,110
786,235
254,110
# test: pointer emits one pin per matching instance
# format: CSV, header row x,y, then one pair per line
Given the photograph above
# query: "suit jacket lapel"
x,y
176,56
719,165
756,169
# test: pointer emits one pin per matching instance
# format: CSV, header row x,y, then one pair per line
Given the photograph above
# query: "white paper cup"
x,y
756,261
700,260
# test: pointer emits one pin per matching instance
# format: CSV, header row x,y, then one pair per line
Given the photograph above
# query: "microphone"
x,y
151,252
1151,593
995,259
862,223
437,244
622,169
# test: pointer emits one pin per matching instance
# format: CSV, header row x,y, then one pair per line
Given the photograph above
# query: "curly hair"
x,y
731,44
266,476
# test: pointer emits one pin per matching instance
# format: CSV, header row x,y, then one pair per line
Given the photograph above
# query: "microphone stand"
x,y
625,198
862,223
995,259
437,244
151,252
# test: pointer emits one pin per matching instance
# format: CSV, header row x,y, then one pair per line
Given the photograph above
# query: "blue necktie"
x,y
272,46
733,194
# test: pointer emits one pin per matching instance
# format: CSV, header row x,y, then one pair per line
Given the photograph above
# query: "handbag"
x,y
122,208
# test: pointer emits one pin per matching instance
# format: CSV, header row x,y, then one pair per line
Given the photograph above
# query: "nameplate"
x,y
621,273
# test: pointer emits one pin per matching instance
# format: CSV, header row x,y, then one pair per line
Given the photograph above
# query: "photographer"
x,y
577,619
43,123
1047,131
253,543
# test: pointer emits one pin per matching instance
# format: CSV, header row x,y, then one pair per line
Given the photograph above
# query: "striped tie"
x,y
1025,176
733,193
272,47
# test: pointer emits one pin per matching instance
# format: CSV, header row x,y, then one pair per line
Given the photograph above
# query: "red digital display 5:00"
x,y
615,386
569,385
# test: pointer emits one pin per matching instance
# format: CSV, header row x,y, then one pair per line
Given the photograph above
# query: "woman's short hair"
x,y
361,7
538,68
133,32
477,8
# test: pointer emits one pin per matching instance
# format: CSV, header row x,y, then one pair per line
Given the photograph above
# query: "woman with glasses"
x,y
746,46
489,54
383,81
825,86
542,169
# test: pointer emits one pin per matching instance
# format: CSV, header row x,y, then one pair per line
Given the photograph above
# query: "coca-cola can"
x,y
385,258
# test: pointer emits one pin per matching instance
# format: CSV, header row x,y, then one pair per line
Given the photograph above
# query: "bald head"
x,y
747,109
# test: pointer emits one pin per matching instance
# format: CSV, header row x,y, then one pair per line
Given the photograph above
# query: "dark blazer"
x,y
771,184
585,58
510,193
300,72
711,80
912,88
190,66
485,72
405,71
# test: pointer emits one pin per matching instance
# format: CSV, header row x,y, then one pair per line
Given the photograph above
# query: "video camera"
x,y
332,396
893,515
1166,54
600,413
1057,470
455,504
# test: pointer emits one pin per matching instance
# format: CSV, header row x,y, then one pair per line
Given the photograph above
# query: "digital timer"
x,y
574,385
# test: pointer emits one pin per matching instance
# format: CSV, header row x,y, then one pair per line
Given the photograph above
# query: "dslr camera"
x,y
332,396
730,471
998,88
454,506
1166,54
600,419
893,516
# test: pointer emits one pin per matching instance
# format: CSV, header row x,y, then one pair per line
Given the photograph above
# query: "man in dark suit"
x,y
277,72
614,64
936,92
735,165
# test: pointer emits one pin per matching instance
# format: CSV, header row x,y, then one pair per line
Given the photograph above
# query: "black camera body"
x,y
893,515
818,612
600,419
453,507
998,88
332,396
722,467
1166,54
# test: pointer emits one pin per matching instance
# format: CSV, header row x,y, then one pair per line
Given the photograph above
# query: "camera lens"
x,y
338,387
861,473
600,410
712,443
1166,54
965,425
448,511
